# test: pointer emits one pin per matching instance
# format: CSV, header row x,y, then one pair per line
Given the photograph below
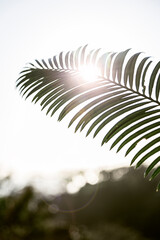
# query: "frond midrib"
x,y
132,90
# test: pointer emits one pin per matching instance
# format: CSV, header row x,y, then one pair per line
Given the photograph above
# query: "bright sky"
x,y
31,143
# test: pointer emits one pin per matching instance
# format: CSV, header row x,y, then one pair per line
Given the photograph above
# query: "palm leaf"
x,y
125,93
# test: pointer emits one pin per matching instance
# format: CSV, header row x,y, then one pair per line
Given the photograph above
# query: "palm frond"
x,y
125,93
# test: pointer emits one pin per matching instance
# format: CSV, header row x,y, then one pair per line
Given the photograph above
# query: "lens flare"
x,y
89,73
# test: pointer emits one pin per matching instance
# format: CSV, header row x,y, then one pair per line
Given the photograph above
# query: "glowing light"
x,y
91,177
77,183
89,72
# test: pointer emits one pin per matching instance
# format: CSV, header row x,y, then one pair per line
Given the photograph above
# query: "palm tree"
x,y
125,93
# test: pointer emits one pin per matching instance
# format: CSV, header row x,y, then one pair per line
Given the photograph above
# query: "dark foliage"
x,y
126,208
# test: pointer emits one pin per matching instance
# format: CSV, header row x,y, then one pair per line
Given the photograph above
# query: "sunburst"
x,y
89,72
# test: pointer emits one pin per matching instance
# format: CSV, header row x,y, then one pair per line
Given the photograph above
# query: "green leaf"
x,y
39,63
151,166
153,77
146,147
129,70
117,66
61,60
45,64
83,54
108,104
50,62
136,134
135,126
144,77
82,98
155,173
77,58
55,62
139,72
102,63
145,136
158,88
67,60
148,155
94,56
123,121
125,95
72,60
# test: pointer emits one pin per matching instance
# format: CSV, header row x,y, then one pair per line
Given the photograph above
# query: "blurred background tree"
x,y
123,206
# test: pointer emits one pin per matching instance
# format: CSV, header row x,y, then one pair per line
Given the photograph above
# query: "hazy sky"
x,y
31,143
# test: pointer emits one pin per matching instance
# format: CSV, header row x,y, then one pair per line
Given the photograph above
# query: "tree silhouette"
x,y
125,93
123,208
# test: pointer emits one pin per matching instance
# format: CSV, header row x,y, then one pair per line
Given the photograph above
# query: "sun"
x,y
89,73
